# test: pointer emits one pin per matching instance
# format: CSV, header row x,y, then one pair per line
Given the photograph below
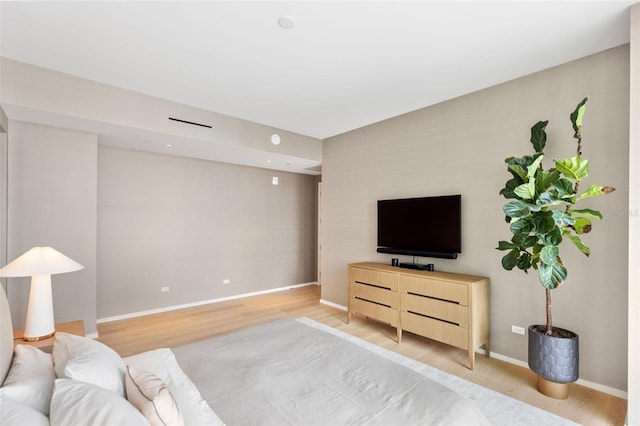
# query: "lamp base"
x,y
35,339
40,324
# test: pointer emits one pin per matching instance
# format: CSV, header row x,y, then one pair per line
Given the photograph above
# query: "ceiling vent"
x,y
190,122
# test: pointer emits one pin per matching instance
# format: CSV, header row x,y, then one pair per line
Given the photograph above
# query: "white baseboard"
x,y
200,303
602,388
333,305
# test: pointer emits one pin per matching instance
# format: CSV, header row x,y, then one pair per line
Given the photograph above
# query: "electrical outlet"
x,y
226,281
164,289
517,330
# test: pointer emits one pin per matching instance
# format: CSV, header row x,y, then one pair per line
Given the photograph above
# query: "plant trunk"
x,y
548,292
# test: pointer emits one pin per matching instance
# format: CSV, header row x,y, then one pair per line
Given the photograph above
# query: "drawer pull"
x,y
434,298
434,318
373,285
371,301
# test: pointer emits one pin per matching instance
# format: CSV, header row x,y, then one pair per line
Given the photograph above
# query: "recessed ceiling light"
x,y
275,139
268,161
287,22
169,145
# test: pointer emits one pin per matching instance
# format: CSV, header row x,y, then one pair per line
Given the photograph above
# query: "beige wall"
x,y
4,126
459,147
190,224
52,202
634,222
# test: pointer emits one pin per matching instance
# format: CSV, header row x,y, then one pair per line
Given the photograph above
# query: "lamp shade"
x,y
40,261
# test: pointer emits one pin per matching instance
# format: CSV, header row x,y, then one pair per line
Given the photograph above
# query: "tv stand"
x,y
417,266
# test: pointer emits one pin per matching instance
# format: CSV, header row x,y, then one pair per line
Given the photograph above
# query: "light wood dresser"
x,y
450,308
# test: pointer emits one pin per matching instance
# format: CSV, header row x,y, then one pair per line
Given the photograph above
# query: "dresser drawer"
x,y
436,330
375,311
444,290
447,311
380,279
375,294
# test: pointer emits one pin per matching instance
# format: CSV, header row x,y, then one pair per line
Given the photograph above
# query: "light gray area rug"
x,y
288,372
499,409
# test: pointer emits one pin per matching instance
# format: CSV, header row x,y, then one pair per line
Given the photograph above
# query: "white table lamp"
x,y
39,263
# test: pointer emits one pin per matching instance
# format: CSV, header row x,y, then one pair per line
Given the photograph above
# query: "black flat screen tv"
x,y
426,227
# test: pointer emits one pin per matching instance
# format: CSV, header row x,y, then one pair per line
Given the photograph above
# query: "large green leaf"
x,y
506,245
576,117
517,166
562,219
545,179
523,161
524,262
516,209
533,167
521,226
591,214
549,254
510,260
520,240
548,199
511,184
526,191
575,168
528,241
553,237
543,223
564,188
551,276
518,171
539,135
552,272
593,191
582,225
578,243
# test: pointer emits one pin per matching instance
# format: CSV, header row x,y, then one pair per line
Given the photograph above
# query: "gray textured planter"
x,y
554,358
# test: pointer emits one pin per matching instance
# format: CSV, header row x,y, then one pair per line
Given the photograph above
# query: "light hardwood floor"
x,y
585,406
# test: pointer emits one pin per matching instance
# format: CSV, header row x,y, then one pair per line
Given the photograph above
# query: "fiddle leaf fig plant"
x,y
542,211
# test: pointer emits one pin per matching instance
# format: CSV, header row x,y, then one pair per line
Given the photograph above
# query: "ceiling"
x,y
342,66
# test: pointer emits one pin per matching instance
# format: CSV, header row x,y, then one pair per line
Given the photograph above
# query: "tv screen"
x,y
428,226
